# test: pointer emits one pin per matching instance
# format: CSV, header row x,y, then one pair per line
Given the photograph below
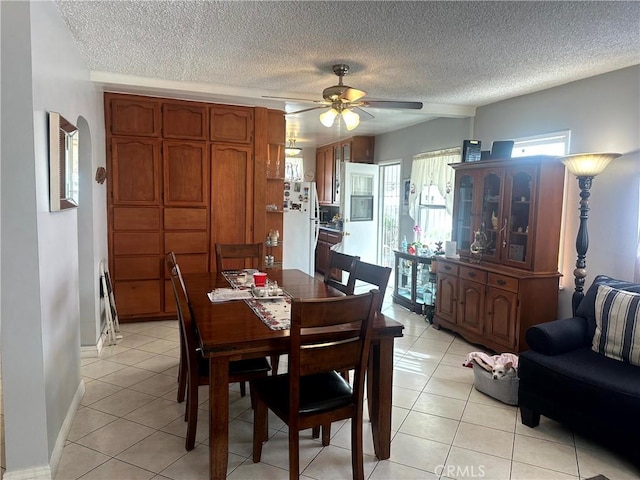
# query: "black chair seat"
x,y
237,367
318,393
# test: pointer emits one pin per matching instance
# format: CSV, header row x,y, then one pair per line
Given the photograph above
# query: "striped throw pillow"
x,y
617,325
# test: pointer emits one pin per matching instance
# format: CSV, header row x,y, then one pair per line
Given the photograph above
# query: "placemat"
x,y
275,313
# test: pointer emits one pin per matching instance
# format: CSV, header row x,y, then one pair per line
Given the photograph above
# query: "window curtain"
x,y
293,170
432,168
637,269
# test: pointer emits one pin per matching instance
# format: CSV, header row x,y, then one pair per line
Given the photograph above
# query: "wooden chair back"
x,y
375,275
239,256
330,334
344,263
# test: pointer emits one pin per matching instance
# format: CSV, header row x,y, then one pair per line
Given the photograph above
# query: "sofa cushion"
x,y
617,332
589,375
587,309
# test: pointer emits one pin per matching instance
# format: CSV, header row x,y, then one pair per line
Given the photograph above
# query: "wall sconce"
x,y
584,166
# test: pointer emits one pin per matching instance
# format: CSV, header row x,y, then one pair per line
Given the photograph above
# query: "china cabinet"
x,y
493,293
414,285
327,238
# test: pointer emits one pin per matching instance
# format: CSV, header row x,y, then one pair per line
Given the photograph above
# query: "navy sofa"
x,y
562,378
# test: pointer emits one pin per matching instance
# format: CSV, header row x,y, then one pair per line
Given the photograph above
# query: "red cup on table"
x,y
260,279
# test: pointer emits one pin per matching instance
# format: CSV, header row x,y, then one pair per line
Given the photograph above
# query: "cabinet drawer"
x,y
136,243
185,218
503,282
138,297
196,242
131,218
334,238
136,268
447,268
473,274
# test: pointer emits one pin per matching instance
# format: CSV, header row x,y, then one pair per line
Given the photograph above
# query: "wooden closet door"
x,y
135,171
232,177
186,173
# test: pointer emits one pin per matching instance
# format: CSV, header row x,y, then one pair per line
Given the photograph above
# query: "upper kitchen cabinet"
x,y
358,149
325,174
231,124
514,206
138,116
184,120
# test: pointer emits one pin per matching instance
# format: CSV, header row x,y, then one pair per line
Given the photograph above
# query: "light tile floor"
x,y
130,427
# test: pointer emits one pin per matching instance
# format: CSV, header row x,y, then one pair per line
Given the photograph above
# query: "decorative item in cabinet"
x,y
414,286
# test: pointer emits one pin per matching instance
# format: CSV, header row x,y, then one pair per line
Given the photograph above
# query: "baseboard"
x,y
56,455
90,351
48,472
34,473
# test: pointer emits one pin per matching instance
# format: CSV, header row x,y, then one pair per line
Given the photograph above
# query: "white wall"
x,y
43,71
603,114
428,136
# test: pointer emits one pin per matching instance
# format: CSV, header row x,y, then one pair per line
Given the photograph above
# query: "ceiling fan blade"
x,y
308,109
352,94
391,104
364,115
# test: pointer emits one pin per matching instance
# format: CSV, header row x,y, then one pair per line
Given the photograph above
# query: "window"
x,y
548,144
293,169
433,218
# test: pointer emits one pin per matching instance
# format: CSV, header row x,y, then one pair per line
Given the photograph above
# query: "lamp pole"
x,y
582,243
584,166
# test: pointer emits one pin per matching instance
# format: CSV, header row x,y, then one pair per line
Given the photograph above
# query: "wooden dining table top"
x,y
232,328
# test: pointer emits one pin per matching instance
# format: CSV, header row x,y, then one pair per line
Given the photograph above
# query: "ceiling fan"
x,y
346,102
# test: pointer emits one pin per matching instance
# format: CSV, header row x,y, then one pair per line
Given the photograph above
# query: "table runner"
x,y
232,277
275,313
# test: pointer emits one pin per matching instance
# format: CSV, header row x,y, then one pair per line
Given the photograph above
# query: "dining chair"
x,y
229,255
236,256
198,366
344,263
182,366
372,274
327,335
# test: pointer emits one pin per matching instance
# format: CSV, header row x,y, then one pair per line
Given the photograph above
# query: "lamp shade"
x,y
588,164
328,117
351,118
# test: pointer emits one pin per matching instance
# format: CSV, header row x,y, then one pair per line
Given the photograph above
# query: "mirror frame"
x,y
63,163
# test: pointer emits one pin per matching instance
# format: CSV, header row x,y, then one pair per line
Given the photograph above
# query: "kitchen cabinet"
x,y
325,175
491,297
329,158
358,149
327,238
414,285
183,176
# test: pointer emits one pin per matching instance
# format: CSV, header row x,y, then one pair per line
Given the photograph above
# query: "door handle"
x,y
346,234
501,282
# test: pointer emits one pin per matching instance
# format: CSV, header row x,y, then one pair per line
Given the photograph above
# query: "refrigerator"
x,y
300,226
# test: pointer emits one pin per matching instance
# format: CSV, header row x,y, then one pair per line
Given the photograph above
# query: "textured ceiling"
x,y
453,56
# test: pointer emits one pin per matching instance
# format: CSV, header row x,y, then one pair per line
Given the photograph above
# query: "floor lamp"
x,y
585,166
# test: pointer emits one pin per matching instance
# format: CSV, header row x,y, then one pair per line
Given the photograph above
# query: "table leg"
x,y
380,375
218,418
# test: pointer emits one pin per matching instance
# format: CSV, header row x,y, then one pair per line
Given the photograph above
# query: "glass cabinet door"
x,y
518,202
463,214
491,219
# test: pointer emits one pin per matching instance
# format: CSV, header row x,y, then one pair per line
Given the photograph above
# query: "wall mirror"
x,y
63,163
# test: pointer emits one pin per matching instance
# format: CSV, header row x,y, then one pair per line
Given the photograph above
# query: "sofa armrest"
x,y
559,336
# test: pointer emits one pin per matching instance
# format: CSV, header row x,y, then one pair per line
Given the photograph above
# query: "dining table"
x,y
232,330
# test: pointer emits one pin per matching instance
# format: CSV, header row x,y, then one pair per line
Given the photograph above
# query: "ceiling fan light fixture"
x,y
328,117
351,118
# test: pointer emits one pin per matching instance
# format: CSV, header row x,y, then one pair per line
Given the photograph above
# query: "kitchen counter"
x,y
330,227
